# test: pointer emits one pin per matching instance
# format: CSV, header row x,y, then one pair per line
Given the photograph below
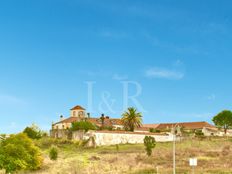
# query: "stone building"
x,y
114,129
206,128
78,113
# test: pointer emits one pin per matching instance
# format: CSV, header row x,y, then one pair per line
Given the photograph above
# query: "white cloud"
x,y
200,115
164,73
119,77
211,97
95,73
8,99
178,62
113,34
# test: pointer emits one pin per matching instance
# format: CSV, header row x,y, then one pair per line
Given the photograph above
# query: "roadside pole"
x,y
174,150
193,164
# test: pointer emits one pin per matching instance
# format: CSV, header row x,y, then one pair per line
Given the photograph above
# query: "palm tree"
x,y
132,119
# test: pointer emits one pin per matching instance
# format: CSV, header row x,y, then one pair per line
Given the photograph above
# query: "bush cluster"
x,y
152,130
199,134
18,152
83,125
34,132
47,142
53,153
149,143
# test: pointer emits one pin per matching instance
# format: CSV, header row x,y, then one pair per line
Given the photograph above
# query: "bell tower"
x,y
78,111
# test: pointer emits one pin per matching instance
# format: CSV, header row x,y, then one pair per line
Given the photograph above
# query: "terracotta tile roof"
x,y
107,121
212,129
185,125
151,125
128,132
142,129
78,107
97,121
69,120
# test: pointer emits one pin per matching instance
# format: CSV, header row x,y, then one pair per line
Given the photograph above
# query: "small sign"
x,y
193,162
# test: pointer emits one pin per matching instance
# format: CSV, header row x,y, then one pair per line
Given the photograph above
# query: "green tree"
x,y
132,119
223,120
199,134
83,125
33,132
19,153
149,143
53,153
152,130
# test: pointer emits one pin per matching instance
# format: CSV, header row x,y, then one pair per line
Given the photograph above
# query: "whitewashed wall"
x,y
111,138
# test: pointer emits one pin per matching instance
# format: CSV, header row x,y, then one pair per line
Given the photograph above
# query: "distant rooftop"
x,y
186,125
78,107
97,121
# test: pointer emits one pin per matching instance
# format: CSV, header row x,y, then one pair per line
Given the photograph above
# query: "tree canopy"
x,y
223,120
33,132
19,153
83,125
132,119
149,143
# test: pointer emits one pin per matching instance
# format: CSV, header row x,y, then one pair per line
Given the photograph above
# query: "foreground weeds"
x,y
214,157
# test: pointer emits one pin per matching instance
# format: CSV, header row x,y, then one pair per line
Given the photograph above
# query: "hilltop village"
x,y
110,131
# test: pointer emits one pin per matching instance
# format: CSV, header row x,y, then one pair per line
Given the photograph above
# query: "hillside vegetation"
x,y
214,156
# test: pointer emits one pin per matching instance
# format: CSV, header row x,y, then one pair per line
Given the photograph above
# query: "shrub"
x,y
19,153
226,150
83,125
149,143
199,134
117,148
152,130
33,132
110,128
89,142
47,142
53,153
145,171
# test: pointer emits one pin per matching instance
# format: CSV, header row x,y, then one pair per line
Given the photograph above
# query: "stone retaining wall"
x,y
112,138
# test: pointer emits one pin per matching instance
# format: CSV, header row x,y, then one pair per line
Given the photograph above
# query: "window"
x,y
81,114
112,121
74,113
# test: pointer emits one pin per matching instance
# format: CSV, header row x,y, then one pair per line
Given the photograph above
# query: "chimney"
x,y
52,125
61,118
88,114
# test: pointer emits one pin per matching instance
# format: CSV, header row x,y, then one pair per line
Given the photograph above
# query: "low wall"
x,y
112,138
57,133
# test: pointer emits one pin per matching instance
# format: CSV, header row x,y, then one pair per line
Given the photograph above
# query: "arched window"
x,y
74,113
81,114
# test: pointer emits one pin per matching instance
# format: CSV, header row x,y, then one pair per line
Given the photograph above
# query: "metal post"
x,y
174,151
157,170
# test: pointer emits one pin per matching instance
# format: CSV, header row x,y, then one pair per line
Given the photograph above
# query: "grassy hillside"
x,y
214,156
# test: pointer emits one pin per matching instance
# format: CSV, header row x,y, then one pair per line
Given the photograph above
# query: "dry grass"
x,y
214,156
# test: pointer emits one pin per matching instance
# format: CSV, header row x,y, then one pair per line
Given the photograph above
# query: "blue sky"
x,y
179,52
